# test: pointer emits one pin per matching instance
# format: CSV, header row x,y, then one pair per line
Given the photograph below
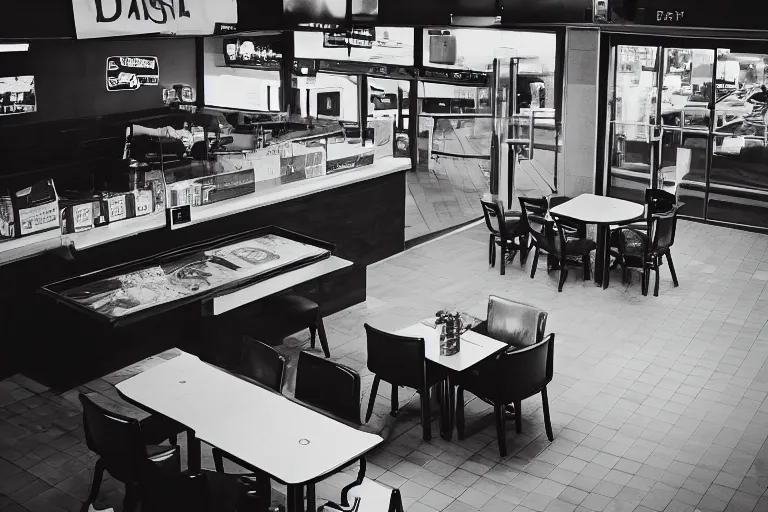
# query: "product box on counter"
x,y
342,157
30,210
201,182
81,211
383,133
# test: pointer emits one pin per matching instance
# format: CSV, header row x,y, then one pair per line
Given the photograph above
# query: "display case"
x,y
133,291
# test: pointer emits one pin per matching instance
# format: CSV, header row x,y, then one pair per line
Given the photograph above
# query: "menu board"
x,y
188,276
258,52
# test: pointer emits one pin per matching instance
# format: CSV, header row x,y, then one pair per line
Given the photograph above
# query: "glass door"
x,y
634,121
738,175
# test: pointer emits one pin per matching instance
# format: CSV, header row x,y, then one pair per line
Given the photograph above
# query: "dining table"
x,y
266,431
473,348
603,212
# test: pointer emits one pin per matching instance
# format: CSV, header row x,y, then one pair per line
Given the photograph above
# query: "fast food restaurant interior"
x,y
383,255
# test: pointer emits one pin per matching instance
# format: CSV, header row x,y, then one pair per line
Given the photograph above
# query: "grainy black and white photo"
x,y
383,256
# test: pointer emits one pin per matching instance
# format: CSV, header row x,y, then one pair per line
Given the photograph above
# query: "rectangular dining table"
x,y
473,348
266,431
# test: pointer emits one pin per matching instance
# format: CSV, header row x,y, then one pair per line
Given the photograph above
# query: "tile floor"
x,y
658,404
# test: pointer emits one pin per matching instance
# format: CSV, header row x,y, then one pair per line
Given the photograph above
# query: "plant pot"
x,y
450,338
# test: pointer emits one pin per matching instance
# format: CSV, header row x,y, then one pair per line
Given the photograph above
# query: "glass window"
x,y
385,45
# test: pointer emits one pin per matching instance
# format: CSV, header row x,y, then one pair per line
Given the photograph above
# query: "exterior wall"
x,y
580,102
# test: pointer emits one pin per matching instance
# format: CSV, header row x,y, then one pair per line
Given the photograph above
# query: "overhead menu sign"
x,y
130,73
110,18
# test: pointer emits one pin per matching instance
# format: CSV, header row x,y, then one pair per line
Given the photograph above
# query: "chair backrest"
x,y
399,360
517,375
659,200
262,363
533,211
117,439
329,386
515,323
664,227
558,200
528,370
493,213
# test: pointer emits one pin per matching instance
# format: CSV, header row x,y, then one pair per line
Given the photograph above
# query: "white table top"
x,y
594,209
229,301
473,348
292,443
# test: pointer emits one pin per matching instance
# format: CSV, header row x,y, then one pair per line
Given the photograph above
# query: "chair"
x,y
400,360
646,249
517,324
291,313
503,234
332,388
560,247
509,378
328,386
120,444
366,495
167,488
263,364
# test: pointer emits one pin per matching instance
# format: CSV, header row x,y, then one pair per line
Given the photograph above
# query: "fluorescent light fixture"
x,y
15,47
475,21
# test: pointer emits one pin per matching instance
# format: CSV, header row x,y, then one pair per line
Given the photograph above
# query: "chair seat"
x,y
295,307
577,246
633,244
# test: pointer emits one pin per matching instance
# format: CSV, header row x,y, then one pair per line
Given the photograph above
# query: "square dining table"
x,y
264,430
473,348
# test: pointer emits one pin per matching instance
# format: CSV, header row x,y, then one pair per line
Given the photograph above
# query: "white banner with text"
x,y
111,18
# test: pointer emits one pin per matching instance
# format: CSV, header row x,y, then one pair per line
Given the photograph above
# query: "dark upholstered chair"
x,y
332,388
517,324
557,246
371,496
645,249
505,232
262,363
167,488
400,360
291,313
120,444
329,386
509,378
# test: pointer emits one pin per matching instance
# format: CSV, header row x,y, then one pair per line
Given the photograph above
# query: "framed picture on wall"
x,y
17,95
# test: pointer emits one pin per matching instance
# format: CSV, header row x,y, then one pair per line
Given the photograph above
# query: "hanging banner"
x,y
130,73
110,18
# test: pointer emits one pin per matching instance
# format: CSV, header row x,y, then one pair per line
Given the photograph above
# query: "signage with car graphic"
x,y
130,73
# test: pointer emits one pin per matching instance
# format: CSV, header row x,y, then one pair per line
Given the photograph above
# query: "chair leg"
x,y
323,338
535,262
491,247
501,431
312,333
645,279
98,476
672,269
218,460
460,412
131,499
374,391
585,267
545,406
518,417
523,250
656,284
563,276
426,416
503,258
394,405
